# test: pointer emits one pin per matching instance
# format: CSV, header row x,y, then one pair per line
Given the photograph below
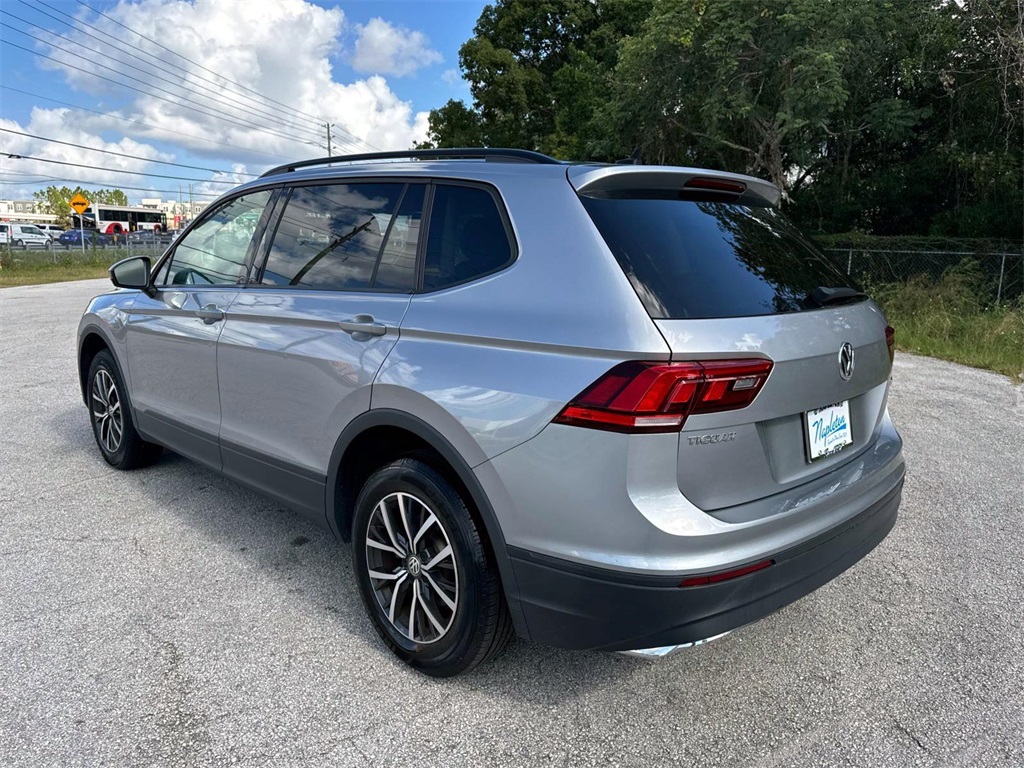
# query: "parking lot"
x,y
170,617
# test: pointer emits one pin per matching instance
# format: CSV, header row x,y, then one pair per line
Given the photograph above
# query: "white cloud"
x,y
384,49
450,76
59,124
278,48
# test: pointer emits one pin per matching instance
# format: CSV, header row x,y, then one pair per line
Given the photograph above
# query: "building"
x,y
24,210
179,213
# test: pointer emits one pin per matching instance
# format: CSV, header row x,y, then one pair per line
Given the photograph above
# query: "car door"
x,y
303,341
172,332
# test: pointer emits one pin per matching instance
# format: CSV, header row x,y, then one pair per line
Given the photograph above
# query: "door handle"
x,y
362,327
210,314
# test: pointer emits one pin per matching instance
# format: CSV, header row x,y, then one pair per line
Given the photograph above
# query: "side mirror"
x,y
131,273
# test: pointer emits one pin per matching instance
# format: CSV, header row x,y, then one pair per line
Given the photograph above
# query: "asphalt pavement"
x,y
171,617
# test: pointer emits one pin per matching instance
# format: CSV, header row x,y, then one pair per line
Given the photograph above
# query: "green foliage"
x,y
945,318
54,200
885,116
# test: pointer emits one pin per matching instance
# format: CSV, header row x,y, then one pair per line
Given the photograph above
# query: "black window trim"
x,y
209,212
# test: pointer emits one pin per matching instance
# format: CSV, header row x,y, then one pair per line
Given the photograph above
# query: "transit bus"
x,y
120,219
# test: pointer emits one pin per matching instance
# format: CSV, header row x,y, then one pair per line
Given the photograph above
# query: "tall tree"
x,y
538,72
884,116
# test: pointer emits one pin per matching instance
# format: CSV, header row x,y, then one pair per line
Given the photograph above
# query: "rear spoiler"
x,y
606,178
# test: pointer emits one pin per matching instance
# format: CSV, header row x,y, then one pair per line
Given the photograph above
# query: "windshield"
x,y
698,259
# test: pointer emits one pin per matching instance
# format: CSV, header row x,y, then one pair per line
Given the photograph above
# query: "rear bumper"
x,y
576,606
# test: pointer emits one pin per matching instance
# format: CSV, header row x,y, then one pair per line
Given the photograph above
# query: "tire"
x,y
19,243
111,417
447,612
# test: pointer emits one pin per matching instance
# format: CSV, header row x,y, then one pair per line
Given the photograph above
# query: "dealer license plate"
x,y
828,430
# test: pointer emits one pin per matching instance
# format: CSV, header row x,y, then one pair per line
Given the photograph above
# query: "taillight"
x,y
890,341
657,397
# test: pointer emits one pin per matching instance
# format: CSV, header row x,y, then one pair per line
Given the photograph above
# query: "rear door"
x,y
725,276
172,334
303,341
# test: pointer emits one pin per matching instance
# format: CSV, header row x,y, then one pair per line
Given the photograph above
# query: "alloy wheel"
x,y
106,411
412,568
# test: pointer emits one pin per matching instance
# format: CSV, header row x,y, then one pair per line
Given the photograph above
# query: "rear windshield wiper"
x,y
824,295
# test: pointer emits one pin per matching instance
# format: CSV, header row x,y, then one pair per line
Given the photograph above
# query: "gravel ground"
x,y
171,617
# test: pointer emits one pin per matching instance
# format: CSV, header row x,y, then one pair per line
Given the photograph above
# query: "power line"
x,y
14,156
217,105
248,126
187,87
131,157
171,192
106,40
137,122
196,64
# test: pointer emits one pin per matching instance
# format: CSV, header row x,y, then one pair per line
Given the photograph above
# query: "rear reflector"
x,y
657,397
718,185
735,573
890,341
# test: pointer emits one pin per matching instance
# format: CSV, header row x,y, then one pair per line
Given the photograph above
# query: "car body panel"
x,y
295,378
172,354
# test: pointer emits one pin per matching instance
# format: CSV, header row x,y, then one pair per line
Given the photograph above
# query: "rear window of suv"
x,y
705,259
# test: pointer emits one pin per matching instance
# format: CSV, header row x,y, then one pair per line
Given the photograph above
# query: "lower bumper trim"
x,y
587,608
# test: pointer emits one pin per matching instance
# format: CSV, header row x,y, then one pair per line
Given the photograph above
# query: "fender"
x,y
381,417
103,333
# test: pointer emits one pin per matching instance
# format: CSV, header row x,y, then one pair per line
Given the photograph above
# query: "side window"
x,y
214,252
331,237
466,239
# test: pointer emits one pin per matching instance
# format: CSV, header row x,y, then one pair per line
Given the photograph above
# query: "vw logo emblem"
x,y
846,362
413,566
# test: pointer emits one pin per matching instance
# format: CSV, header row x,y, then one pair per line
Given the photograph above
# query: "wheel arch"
x,y
381,435
92,342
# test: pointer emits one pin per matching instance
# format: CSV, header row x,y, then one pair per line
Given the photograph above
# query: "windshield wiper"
x,y
823,295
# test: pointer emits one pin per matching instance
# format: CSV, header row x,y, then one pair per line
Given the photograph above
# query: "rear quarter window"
x,y
703,259
467,238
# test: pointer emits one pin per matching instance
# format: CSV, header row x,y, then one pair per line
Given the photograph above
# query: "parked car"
x,y
5,233
27,236
146,237
92,237
625,407
52,230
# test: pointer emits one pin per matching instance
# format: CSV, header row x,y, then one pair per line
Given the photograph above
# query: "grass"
x,y
35,267
948,318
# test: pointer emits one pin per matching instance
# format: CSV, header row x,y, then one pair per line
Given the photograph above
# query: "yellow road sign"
x,y
79,203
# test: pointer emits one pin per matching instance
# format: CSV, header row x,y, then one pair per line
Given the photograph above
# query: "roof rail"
x,y
478,153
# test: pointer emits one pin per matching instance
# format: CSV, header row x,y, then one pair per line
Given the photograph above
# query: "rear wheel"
x,y
112,426
426,576
20,243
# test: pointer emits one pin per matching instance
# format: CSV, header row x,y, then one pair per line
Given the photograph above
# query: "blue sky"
x,y
215,99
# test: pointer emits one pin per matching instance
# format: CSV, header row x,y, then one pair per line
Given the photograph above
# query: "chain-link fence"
x,y
59,253
997,267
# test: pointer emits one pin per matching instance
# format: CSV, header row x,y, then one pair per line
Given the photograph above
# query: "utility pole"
x,y
329,153
190,203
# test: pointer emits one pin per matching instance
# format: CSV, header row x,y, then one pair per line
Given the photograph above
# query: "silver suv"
x,y
623,407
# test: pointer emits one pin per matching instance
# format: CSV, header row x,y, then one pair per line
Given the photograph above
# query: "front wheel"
x,y
427,579
119,442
